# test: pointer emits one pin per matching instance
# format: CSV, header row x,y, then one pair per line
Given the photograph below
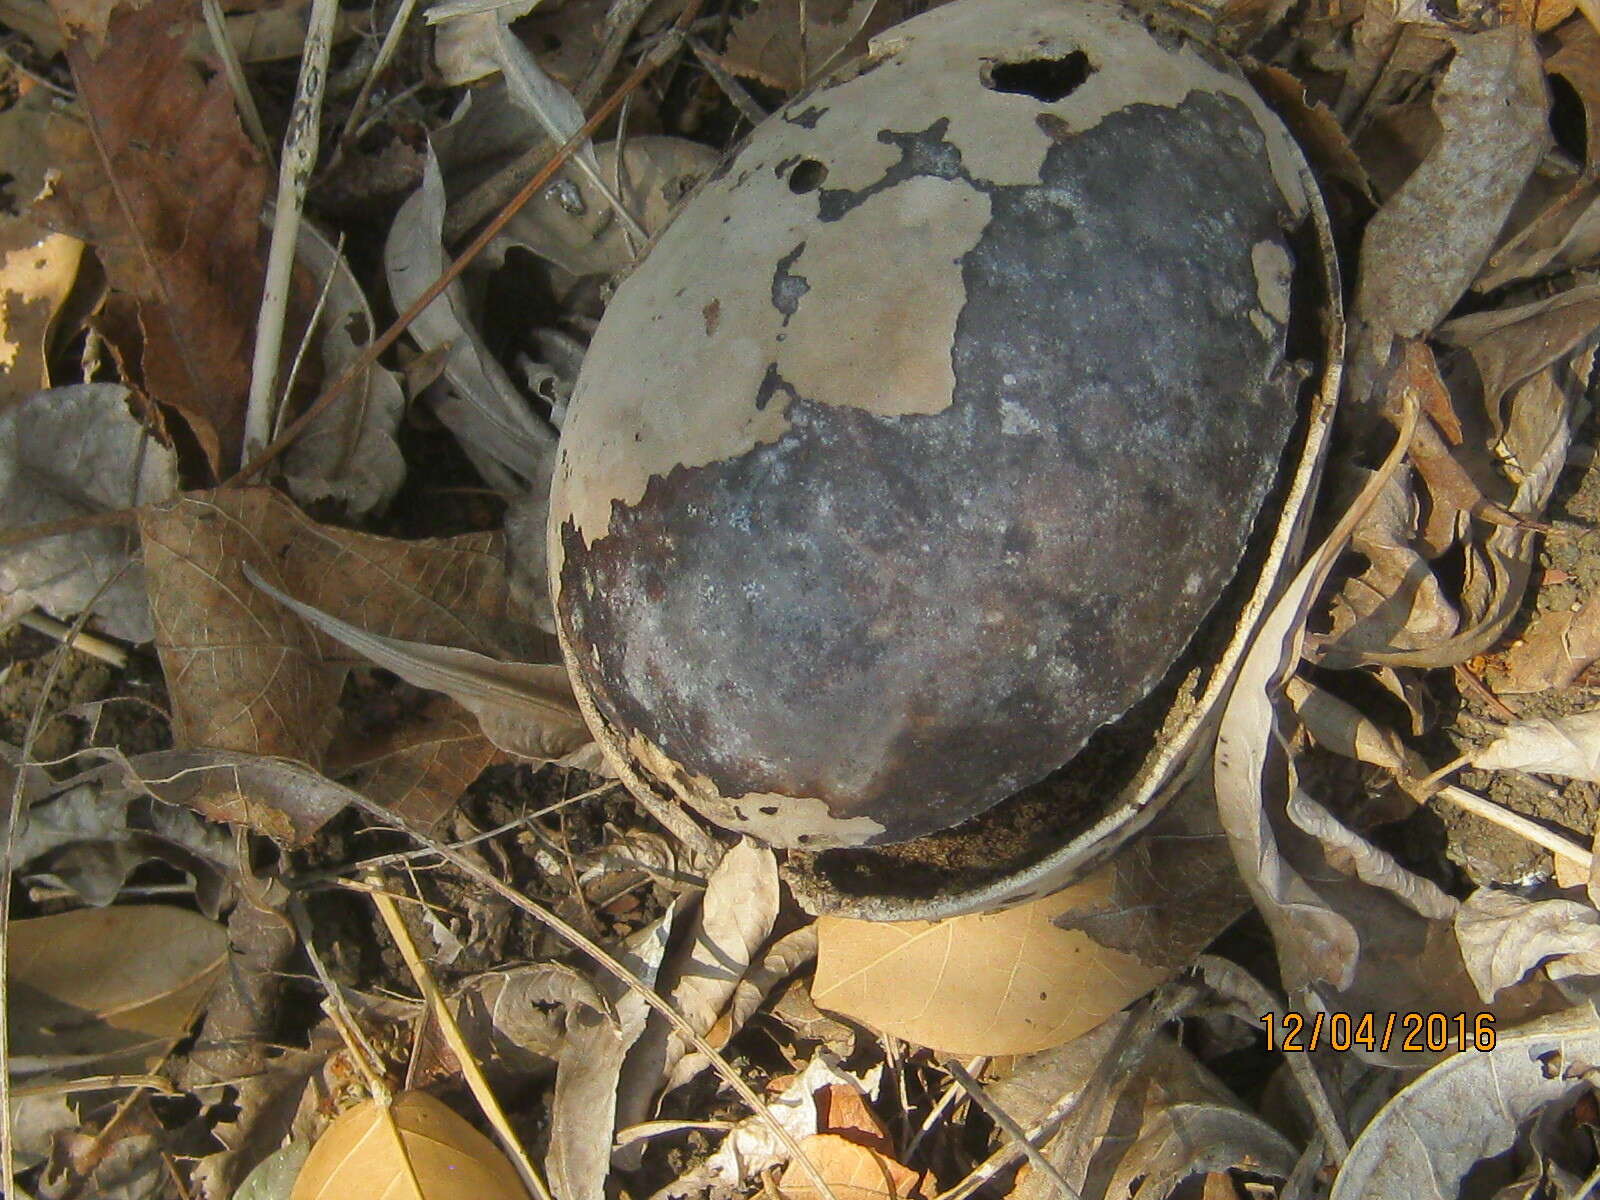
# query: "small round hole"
x,y
807,176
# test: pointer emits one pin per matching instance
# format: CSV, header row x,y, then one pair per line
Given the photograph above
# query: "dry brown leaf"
x,y
1450,488
1505,935
1343,728
1424,247
585,238
1511,345
66,453
108,983
172,207
995,983
1577,61
845,1111
1553,651
245,673
34,282
271,32
420,768
284,800
526,709
733,922
1568,746
414,1149
853,1171
1539,15
1397,601
1315,127
774,45
1564,235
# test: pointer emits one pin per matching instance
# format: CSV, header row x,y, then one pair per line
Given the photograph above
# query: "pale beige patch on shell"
x,y
884,349
1273,273
659,392
799,819
996,131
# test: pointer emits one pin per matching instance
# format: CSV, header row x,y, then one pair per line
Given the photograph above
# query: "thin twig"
x,y
951,1091
300,145
391,43
97,1083
233,70
1517,823
84,643
470,1069
602,957
1011,1129
67,525
361,1050
621,20
731,87
432,292
309,334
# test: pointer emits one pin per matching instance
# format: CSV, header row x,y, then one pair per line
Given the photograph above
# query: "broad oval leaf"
x,y
413,1149
993,983
114,984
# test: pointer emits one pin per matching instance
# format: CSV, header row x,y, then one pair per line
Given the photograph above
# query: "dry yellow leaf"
x,y
109,982
413,1149
994,983
34,282
1539,15
853,1172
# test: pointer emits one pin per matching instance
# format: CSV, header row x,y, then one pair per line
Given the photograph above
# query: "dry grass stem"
x,y
294,173
1536,833
479,1086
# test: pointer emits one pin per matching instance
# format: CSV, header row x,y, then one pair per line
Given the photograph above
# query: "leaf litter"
x,y
356,643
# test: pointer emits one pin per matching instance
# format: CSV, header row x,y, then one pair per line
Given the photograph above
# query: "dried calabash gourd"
x,y
923,441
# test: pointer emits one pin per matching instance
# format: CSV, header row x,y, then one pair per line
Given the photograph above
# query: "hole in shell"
x,y
1568,121
1047,79
807,176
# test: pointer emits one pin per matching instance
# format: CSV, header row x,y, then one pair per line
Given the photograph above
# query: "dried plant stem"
x,y
575,938
48,529
731,87
1536,833
307,338
85,643
96,1083
366,1057
931,1121
233,70
300,145
481,1091
667,47
391,43
622,19
1011,1129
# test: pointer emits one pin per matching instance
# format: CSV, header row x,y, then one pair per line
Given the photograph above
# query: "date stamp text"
x,y
1406,1032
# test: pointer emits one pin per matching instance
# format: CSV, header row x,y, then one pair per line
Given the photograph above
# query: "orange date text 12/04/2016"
x,y
1407,1032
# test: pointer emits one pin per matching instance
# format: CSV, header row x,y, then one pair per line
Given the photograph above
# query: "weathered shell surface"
x,y
926,436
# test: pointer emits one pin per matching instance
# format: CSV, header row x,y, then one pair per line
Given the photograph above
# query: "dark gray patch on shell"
x,y
788,288
922,152
807,117
911,617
